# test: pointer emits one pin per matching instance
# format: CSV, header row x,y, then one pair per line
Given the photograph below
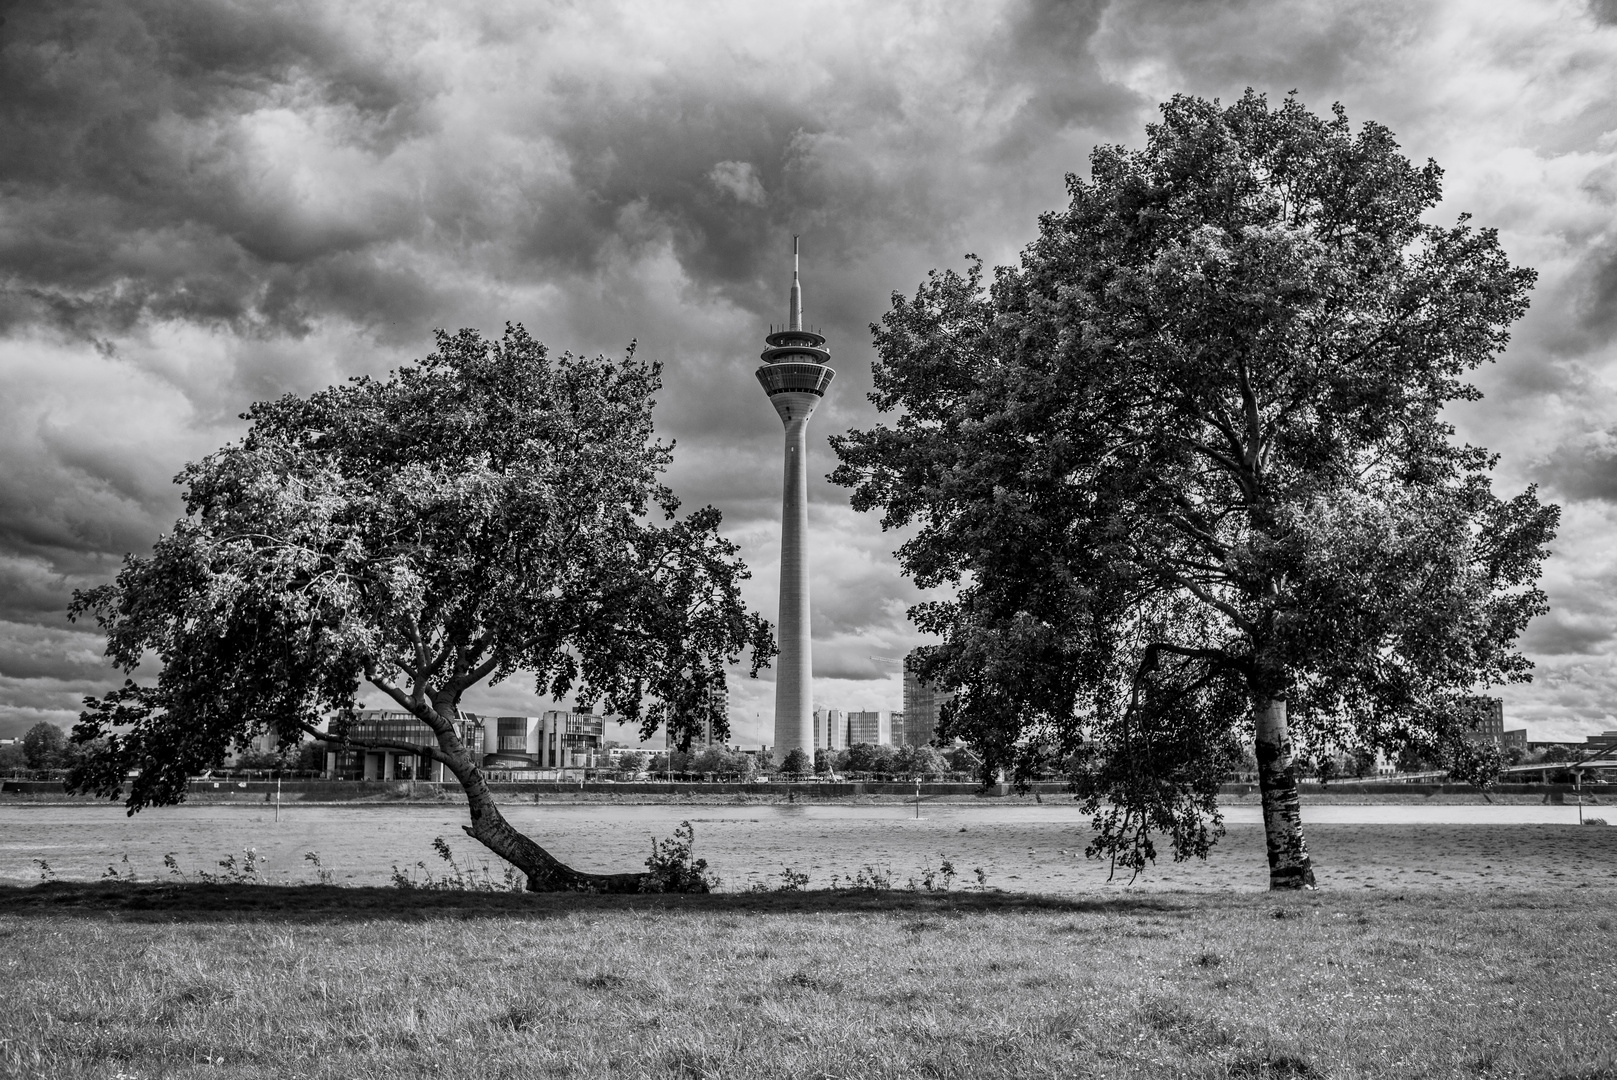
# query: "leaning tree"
x,y
1188,469
491,512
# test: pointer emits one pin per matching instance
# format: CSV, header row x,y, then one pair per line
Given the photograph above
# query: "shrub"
x,y
671,867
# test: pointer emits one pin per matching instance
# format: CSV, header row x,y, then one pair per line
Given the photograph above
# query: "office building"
x,y
1491,727
396,725
870,726
830,729
922,708
720,696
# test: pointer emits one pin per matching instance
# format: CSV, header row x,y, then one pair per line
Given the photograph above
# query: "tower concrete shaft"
x,y
796,376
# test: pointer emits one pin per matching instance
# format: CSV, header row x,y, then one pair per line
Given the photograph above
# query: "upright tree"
x,y
1188,469
796,762
44,744
489,513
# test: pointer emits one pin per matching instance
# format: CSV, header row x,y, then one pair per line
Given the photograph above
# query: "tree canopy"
x,y
1188,469
44,744
796,762
490,512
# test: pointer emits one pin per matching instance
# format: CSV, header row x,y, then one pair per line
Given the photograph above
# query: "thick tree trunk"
x,y
1289,866
544,871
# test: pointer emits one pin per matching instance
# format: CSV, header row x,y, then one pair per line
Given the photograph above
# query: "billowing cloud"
x,y
740,180
1584,467
205,203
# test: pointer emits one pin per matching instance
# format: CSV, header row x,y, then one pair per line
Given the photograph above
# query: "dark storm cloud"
x,y
1555,635
1046,52
681,156
835,663
1604,11
1223,46
150,147
128,191
33,592
1585,468
45,674
1599,307
61,655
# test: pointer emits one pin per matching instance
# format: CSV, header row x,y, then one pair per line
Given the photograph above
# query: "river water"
x,y
1033,847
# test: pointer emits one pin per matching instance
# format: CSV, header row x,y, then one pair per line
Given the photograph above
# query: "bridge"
x,y
1600,756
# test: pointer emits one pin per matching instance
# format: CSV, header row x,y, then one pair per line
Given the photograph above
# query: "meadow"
x,y
116,980
1439,948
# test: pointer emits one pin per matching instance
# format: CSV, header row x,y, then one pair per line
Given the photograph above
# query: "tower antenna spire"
x,y
796,316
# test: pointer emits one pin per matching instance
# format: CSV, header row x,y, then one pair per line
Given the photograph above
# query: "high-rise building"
x,y
1490,712
870,726
719,695
921,707
830,729
796,376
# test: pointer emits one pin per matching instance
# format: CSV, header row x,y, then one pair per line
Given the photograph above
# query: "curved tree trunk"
x,y
1289,865
545,872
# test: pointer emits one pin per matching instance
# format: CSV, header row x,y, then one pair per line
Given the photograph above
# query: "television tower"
x,y
795,375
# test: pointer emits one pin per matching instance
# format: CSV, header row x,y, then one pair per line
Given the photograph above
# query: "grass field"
x,y
114,979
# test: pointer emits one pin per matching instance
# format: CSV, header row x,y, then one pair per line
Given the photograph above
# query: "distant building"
x,y
704,738
830,729
922,705
614,754
1516,739
267,742
1491,727
1538,746
559,739
872,726
395,725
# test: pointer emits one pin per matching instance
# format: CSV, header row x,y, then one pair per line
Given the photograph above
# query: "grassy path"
x,y
116,980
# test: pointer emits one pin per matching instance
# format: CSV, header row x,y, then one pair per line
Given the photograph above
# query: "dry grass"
x,y
111,979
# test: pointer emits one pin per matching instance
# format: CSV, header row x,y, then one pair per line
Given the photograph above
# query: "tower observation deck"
x,y
795,375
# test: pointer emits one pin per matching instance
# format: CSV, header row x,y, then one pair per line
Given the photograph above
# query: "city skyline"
x,y
232,203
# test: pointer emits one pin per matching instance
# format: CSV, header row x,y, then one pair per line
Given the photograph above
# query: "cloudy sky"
x,y
205,203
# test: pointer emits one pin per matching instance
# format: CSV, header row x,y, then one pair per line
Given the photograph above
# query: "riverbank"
x,y
1017,846
862,793
250,983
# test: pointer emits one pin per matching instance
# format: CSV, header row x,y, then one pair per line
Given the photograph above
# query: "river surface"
x,y
1034,847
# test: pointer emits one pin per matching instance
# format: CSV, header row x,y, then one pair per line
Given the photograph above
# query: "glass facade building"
x,y
921,707
870,726
396,725
719,696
